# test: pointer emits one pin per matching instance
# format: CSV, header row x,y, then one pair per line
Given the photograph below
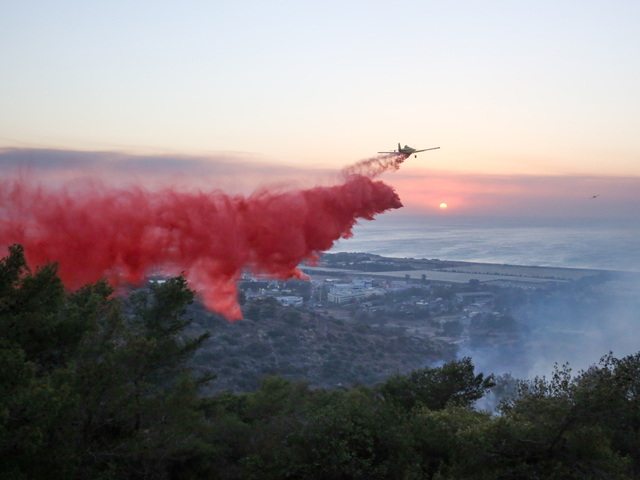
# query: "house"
x,y
475,297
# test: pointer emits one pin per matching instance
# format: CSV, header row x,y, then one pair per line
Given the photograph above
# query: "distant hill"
x,y
303,345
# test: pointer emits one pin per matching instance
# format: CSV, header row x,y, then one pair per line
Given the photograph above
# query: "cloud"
x,y
234,173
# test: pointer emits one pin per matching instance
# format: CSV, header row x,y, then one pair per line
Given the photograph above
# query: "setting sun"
x,y
443,206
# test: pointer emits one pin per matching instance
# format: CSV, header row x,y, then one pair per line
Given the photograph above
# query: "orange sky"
x,y
422,191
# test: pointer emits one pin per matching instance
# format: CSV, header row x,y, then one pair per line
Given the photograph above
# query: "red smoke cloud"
x,y
124,234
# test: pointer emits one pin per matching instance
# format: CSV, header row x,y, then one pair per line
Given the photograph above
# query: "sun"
x,y
443,206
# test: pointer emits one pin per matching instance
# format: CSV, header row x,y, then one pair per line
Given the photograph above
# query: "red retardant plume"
x,y
125,234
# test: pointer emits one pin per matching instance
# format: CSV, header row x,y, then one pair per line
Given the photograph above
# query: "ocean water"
x,y
604,244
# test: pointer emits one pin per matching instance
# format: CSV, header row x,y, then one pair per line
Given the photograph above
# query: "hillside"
x,y
303,345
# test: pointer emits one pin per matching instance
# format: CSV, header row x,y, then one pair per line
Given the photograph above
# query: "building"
x,y
290,301
345,296
363,283
475,297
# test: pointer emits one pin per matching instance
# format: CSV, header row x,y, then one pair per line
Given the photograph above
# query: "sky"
x,y
522,97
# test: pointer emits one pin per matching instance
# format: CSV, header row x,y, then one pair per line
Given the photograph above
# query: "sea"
x,y
602,244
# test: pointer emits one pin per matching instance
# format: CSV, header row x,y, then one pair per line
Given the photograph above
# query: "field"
x,y
525,271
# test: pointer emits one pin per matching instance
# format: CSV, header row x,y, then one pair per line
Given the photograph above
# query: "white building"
x,y
290,301
363,283
345,296
348,292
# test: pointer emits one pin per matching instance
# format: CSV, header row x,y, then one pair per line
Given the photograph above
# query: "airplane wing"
x,y
389,152
434,148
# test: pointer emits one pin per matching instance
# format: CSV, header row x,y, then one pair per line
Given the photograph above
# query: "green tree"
x,y
434,388
30,305
440,291
37,401
140,401
253,312
564,425
242,297
270,307
87,391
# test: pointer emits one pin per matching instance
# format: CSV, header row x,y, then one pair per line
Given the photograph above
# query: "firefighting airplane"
x,y
407,150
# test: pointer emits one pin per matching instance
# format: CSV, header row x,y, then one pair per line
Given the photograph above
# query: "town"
x,y
361,318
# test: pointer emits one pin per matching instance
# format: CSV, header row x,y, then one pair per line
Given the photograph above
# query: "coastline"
x,y
462,272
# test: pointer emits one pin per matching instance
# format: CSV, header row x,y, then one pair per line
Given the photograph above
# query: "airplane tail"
x,y
399,148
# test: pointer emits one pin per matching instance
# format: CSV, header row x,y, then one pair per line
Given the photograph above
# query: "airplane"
x,y
595,196
407,150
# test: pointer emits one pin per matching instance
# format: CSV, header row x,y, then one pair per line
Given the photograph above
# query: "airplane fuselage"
x,y
407,150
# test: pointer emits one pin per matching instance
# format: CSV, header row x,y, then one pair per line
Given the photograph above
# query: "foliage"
x,y
92,386
85,390
434,388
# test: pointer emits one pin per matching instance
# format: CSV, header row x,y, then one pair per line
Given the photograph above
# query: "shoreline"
x,y
463,272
